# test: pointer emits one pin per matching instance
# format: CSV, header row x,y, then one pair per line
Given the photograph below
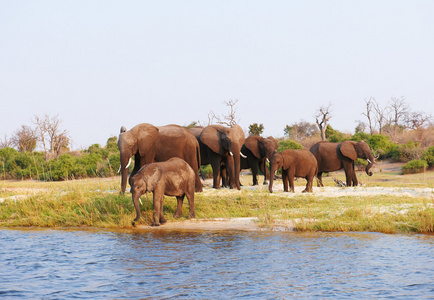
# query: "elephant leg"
x,y
319,179
285,180
265,171
157,210
216,173
255,172
178,212
191,209
291,175
136,197
309,183
349,174
162,218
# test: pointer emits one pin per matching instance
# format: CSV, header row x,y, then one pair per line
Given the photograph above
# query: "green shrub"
x,y
360,164
288,144
415,166
361,136
207,171
405,152
428,156
381,144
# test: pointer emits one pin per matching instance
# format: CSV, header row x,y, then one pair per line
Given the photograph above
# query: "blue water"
x,y
58,264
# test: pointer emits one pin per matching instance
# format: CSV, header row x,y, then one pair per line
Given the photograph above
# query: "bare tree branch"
x,y
324,114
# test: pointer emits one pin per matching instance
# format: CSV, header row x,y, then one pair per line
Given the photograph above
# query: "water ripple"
x,y
54,264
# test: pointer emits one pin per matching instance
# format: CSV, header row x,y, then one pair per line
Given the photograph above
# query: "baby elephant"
x,y
294,163
171,178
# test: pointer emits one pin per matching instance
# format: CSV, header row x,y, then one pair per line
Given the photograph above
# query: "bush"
x,y
381,144
428,156
415,166
405,152
361,136
360,164
288,144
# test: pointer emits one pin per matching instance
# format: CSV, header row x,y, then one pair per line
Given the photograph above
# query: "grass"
x,y
98,203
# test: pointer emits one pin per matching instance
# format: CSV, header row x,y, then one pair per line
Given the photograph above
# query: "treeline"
x,y
96,161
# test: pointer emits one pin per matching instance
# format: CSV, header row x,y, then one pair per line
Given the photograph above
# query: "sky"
x,y
101,64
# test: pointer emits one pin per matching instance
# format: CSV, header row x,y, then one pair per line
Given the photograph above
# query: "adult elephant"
x,y
257,151
335,156
149,143
220,144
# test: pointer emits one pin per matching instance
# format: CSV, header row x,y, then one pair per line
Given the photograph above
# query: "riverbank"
x,y
386,202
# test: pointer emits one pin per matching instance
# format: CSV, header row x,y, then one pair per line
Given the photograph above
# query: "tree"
x,y
324,115
256,129
300,130
416,120
49,132
5,143
369,107
229,119
25,139
380,115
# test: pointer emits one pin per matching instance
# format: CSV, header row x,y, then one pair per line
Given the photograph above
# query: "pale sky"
x,y
103,64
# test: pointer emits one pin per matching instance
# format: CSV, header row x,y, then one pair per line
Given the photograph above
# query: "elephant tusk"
x,y
368,160
230,153
129,162
242,155
268,161
119,169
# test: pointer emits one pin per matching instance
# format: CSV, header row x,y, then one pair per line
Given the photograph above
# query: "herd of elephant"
x,y
168,159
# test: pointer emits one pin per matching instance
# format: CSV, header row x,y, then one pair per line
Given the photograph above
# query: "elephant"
x,y
335,156
149,143
220,144
173,177
258,150
294,163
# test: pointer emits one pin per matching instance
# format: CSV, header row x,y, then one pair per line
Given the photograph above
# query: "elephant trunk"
x,y
368,167
235,170
125,162
370,159
273,168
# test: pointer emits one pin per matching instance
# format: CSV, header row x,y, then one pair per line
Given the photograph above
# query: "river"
x,y
65,264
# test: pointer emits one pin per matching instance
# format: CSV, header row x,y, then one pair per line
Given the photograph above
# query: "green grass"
x,y
98,203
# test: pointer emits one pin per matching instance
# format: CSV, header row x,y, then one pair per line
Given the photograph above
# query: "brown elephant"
x,y
220,144
257,151
294,163
171,178
156,144
335,156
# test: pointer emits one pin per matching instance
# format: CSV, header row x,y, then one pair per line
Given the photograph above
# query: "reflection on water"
x,y
197,265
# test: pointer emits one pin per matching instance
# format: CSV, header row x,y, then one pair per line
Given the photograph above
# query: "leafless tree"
x,y
25,139
229,119
416,120
369,107
380,115
49,132
361,126
398,114
324,115
5,142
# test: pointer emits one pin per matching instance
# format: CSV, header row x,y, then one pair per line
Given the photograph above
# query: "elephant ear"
x,y
152,176
253,144
146,135
211,136
347,149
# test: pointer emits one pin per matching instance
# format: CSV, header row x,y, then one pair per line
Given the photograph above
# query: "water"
x,y
57,264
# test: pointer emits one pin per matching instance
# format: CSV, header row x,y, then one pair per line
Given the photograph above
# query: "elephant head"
x,y
354,150
277,161
138,141
226,141
261,147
